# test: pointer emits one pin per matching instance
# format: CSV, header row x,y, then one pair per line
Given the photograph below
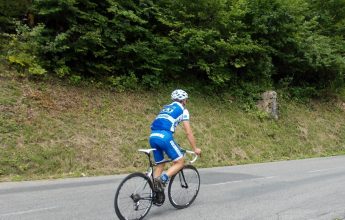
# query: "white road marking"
x,y
239,181
223,183
269,177
264,178
316,171
28,211
322,170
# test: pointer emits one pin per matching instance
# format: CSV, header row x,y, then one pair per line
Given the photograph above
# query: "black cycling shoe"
x,y
158,184
159,197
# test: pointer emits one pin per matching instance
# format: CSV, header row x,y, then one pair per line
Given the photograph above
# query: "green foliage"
x,y
224,43
121,83
151,80
324,46
11,11
330,16
24,48
322,61
75,80
303,93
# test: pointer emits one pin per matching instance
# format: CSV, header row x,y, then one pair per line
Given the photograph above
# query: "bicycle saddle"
x,y
146,151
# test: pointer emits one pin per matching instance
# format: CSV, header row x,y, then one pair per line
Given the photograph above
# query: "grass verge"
x,y
53,130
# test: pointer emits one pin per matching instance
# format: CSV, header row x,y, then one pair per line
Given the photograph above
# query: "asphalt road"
x,y
301,189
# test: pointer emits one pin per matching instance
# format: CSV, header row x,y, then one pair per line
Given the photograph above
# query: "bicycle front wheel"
x,y
184,187
133,198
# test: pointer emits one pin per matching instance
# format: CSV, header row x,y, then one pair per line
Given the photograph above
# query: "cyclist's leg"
x,y
174,152
158,155
177,166
159,170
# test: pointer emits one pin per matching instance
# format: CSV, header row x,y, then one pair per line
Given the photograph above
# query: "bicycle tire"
x,y
140,194
184,187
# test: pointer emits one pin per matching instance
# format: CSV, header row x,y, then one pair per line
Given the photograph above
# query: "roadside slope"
x,y
51,130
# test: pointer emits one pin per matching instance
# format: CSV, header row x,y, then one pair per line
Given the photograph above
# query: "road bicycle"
x,y
137,192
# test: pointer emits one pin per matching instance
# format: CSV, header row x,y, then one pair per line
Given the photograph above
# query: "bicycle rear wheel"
x,y
133,198
184,187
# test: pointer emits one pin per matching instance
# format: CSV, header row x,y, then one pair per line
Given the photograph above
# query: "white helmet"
x,y
179,95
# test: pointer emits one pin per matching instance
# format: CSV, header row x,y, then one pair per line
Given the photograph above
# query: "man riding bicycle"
x,y
161,138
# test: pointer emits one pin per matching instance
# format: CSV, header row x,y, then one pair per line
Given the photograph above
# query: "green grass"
x,y
49,130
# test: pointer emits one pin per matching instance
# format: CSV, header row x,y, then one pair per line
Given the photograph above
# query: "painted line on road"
x,y
28,211
317,171
239,181
322,170
223,183
264,178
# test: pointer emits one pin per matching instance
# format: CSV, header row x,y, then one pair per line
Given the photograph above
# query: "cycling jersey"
x,y
163,127
169,117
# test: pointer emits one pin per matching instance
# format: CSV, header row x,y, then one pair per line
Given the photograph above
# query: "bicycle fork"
x,y
183,181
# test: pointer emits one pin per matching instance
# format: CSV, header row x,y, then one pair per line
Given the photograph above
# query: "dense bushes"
x,y
10,11
222,42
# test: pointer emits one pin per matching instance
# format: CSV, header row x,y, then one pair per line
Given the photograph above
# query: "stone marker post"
x,y
269,103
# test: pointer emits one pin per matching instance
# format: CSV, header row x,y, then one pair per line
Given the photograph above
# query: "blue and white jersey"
x,y
170,116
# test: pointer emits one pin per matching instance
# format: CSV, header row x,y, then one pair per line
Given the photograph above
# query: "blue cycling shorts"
x,y
163,141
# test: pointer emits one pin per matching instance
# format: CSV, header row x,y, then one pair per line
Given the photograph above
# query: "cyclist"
x,y
161,138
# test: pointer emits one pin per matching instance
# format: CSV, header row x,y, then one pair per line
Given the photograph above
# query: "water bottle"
x,y
149,172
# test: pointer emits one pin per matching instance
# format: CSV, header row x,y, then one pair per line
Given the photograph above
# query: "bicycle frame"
x,y
152,164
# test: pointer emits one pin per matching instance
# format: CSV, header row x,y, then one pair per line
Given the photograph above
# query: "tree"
x,y
10,11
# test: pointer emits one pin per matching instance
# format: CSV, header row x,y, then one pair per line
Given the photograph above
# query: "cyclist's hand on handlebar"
x,y
197,151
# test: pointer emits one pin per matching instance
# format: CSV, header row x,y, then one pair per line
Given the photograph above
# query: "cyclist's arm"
x,y
190,136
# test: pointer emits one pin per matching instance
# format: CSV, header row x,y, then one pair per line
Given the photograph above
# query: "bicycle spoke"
x,y
184,187
134,197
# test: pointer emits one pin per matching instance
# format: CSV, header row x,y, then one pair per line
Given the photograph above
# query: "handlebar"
x,y
195,156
